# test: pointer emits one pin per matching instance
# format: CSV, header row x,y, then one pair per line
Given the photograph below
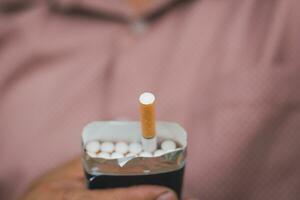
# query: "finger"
x,y
148,193
136,192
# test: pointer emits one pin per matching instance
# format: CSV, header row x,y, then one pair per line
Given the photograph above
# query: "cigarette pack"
x,y
166,169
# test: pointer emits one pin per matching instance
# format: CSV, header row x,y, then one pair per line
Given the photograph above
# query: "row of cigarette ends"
x,y
148,146
110,150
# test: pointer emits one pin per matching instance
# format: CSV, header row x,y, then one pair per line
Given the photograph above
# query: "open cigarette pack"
x,y
120,154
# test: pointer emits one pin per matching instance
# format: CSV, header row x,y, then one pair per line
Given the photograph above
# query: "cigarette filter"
x,y
147,115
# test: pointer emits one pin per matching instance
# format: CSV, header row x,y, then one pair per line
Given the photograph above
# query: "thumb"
x,y
141,193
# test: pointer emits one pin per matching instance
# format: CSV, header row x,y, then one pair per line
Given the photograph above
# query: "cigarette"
x,y
147,117
93,147
168,145
121,147
107,147
104,155
135,148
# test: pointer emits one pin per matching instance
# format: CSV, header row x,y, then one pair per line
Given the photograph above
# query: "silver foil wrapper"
x,y
130,131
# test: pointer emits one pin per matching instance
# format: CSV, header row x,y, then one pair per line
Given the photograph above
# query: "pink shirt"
x,y
226,70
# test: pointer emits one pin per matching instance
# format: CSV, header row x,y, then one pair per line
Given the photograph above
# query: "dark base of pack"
x,y
173,180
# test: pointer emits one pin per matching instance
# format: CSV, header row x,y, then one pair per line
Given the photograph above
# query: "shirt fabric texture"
x,y
226,70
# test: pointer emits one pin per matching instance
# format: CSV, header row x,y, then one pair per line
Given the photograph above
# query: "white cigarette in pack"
x,y
147,118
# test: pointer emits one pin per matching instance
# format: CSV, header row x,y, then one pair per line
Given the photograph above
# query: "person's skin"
x,y
138,6
67,183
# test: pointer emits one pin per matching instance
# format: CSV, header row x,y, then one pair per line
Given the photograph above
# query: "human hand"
x,y
67,183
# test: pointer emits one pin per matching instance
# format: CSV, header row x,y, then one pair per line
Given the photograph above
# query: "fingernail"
x,y
167,196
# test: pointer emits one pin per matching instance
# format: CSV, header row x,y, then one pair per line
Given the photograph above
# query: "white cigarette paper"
x,y
108,147
93,147
168,145
121,147
147,113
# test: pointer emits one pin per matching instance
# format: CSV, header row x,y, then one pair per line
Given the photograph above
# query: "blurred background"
x,y
226,70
